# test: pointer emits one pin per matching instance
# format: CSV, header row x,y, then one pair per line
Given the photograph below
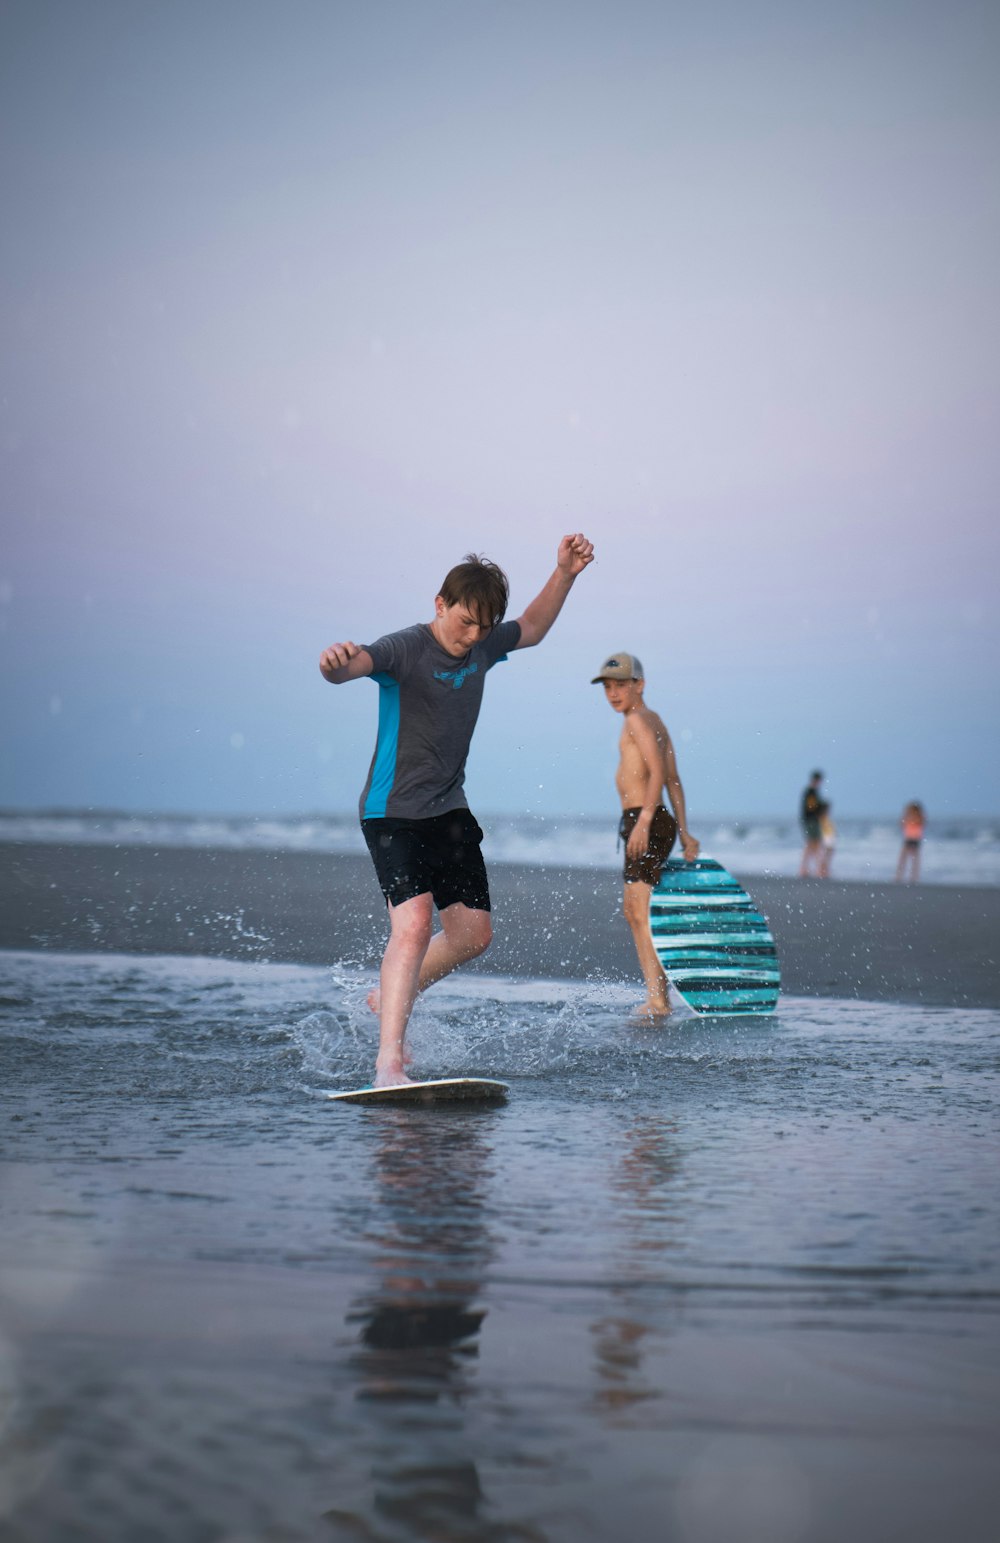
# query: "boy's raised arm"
x,y
575,552
344,661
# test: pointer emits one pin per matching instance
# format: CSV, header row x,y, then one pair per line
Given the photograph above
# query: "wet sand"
x,y
931,944
793,1435
744,1289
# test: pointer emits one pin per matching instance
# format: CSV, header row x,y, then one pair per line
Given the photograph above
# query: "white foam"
x,y
957,851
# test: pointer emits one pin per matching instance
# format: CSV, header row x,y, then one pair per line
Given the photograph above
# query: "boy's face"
x,y
458,626
623,695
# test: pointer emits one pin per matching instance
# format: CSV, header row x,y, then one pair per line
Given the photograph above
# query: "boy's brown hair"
x,y
479,584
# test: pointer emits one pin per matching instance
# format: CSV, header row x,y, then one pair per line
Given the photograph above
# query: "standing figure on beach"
x,y
422,836
914,824
646,765
812,809
828,839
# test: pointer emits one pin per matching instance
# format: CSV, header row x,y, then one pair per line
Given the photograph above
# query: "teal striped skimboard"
x,y
711,940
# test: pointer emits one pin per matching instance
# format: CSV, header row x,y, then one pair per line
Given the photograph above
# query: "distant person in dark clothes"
x,y
811,815
913,823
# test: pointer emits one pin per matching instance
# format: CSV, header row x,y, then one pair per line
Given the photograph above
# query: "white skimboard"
x,y
440,1090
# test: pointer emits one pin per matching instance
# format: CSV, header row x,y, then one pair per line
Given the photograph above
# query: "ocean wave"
x,y
957,850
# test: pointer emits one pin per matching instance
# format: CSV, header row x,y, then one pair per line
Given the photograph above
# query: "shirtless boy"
x,y
648,829
422,836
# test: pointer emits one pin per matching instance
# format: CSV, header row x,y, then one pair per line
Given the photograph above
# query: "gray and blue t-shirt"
x,y
428,703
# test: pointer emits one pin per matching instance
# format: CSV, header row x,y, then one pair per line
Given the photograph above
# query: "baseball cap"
x,y
619,666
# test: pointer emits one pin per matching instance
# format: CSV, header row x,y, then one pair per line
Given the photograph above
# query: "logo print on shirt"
x,y
457,677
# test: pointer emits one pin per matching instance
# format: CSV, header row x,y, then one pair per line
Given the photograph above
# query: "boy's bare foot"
x,y
649,1009
391,1075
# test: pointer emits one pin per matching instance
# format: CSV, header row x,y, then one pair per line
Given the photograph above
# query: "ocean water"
x,y
957,850
731,1279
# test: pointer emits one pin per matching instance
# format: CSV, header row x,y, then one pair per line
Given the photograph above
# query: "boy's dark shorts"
x,y
662,835
439,856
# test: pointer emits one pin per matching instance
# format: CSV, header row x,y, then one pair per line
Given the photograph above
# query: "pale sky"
x,y
303,300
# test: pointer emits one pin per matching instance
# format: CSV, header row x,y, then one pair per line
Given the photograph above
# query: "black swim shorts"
x,y
662,835
440,856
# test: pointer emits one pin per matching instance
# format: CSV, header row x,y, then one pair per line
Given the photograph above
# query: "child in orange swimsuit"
x,y
913,823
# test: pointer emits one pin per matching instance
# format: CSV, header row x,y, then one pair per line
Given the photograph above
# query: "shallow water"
x,y
719,1279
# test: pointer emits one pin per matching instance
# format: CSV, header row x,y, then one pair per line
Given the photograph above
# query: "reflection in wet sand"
x,y
645,1183
418,1337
